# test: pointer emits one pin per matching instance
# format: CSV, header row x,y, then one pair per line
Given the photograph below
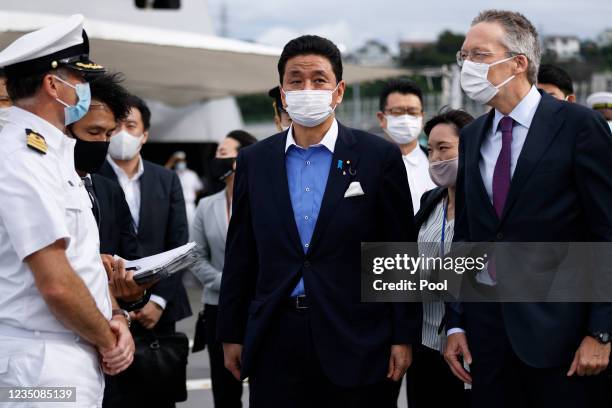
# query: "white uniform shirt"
x,y
191,184
42,201
131,188
417,167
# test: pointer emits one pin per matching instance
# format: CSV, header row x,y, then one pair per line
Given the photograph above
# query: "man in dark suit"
x,y
533,169
290,315
117,235
157,208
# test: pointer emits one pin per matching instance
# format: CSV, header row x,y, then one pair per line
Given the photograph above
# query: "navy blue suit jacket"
x,y
265,260
163,226
561,191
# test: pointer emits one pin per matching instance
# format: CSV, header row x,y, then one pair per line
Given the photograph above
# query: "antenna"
x,y
224,20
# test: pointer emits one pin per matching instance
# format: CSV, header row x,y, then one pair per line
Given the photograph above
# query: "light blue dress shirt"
x,y
307,172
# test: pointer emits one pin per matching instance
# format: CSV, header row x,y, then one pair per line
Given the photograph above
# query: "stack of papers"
x,y
156,267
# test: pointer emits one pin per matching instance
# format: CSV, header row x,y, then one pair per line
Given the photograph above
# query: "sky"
x,y
351,23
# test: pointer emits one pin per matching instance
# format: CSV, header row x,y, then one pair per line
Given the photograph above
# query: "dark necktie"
x,y
92,197
501,174
501,178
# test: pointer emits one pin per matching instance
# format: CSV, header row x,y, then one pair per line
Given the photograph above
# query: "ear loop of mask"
x,y
67,83
501,62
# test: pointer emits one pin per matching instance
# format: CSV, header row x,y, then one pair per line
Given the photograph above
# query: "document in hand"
x,y
156,267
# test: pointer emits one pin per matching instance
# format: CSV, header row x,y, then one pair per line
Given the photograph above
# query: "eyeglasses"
x,y
477,56
399,111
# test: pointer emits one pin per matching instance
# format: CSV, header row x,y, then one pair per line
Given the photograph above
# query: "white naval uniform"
x,y
42,201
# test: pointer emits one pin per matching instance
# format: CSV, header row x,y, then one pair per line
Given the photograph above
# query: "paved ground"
x,y
198,370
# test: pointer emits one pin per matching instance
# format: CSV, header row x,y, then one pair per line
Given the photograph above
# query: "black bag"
x,y
160,365
199,338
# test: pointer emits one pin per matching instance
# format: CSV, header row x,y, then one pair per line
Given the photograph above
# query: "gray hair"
x,y
521,37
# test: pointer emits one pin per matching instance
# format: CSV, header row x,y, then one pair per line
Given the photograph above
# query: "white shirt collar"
x,y
524,112
120,173
415,156
329,140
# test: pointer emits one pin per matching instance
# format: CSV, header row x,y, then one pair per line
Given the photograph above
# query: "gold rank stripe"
x,y
37,142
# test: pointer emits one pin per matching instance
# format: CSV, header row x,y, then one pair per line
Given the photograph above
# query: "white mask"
x,y
124,146
444,173
403,129
475,82
4,115
309,108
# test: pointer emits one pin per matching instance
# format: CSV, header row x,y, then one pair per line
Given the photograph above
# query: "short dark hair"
x,y
23,86
107,89
455,117
554,75
311,45
134,101
243,138
401,85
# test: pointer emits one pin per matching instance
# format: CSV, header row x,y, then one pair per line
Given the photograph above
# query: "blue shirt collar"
x,y
524,112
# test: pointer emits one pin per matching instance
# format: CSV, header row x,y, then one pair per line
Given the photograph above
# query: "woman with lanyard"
x,y
430,383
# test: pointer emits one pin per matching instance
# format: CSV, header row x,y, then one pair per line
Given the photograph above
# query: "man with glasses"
x,y
401,119
533,169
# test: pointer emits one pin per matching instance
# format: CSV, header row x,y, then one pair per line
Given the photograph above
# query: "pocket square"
x,y
354,189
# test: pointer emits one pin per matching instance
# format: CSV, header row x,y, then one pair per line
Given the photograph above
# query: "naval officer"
x,y
58,326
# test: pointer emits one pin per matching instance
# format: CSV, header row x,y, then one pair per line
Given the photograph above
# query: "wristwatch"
x,y
602,337
123,313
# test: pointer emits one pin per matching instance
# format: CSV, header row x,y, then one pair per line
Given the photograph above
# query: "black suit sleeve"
x,y
176,235
241,263
593,153
453,317
128,241
397,223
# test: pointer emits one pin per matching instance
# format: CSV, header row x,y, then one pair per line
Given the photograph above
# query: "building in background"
x,y
563,46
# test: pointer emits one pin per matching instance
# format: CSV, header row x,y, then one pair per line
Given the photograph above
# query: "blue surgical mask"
x,y
74,113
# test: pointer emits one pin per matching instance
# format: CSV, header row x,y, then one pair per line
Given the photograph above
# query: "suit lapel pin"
x,y
340,164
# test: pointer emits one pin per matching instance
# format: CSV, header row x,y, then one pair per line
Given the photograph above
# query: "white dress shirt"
x,y
417,168
329,140
131,189
522,114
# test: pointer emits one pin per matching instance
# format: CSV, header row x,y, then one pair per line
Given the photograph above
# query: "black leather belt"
x,y
297,303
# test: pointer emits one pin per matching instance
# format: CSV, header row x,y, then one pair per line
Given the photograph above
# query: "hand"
x,y
591,358
118,358
108,262
231,354
456,346
149,315
399,361
122,283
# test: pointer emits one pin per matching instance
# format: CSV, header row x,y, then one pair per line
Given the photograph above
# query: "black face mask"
x,y
89,156
221,168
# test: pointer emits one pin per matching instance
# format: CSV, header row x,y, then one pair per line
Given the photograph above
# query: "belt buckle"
x,y
298,305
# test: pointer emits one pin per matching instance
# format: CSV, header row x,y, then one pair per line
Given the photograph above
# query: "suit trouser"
x,y
501,379
227,391
287,372
44,362
430,382
120,394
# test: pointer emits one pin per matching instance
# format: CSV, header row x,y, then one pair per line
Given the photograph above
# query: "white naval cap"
x,y
64,43
600,100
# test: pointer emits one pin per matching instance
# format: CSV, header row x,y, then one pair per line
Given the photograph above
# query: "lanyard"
x,y
444,210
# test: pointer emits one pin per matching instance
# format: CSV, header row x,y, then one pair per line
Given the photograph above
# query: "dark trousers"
x,y
227,391
501,379
430,382
287,372
119,393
